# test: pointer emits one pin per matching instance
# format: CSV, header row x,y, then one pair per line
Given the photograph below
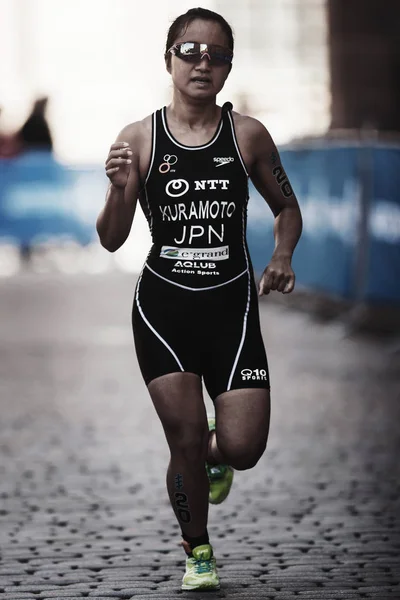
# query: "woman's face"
x,y
200,80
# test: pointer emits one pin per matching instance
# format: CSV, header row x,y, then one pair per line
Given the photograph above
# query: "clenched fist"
x,y
278,275
118,164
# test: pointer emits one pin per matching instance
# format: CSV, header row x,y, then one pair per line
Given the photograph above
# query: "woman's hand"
x,y
118,164
278,275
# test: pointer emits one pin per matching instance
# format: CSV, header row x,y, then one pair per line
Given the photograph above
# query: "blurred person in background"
x,y
35,133
34,136
195,313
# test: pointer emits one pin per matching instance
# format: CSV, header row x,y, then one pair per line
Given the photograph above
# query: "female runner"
x,y
195,314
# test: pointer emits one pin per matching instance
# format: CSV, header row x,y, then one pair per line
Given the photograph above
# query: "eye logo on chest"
x,y
169,161
177,187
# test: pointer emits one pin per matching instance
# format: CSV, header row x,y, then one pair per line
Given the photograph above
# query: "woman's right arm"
x,y
122,168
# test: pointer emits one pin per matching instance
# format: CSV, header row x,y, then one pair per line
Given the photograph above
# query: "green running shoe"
x,y
220,476
201,570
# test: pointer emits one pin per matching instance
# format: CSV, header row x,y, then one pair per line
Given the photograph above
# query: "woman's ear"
x,y
168,63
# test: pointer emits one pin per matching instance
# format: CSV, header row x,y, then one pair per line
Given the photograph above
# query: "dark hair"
x,y
183,21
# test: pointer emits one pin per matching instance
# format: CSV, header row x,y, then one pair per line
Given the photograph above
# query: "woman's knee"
x,y
242,457
189,444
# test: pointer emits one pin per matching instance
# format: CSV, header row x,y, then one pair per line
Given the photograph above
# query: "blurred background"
x,y
322,75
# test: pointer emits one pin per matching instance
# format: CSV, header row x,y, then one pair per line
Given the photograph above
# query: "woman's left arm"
x,y
270,179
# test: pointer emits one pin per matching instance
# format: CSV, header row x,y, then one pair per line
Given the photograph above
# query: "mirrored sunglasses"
x,y
195,52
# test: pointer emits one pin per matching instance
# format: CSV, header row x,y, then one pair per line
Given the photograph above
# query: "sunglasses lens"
x,y
194,52
220,56
188,51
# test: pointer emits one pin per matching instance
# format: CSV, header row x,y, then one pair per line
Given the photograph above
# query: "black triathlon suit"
x,y
196,302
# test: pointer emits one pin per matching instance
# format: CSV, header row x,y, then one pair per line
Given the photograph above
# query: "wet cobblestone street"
x,y
84,511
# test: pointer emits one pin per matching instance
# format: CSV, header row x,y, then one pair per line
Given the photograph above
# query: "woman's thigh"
x,y
234,356
163,321
242,422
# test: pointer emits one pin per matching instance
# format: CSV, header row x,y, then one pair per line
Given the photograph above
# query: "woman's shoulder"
x,y
138,131
252,136
248,126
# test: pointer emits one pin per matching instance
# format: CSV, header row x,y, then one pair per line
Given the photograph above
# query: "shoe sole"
x,y
190,588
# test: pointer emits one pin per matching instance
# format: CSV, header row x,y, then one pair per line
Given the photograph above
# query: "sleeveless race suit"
x,y
196,305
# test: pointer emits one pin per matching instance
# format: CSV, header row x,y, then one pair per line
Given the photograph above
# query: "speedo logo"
x,y
223,160
221,253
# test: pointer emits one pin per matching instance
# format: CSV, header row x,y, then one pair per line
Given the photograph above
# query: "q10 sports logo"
x,y
254,374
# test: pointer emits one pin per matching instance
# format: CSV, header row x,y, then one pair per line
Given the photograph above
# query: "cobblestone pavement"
x,y
83,504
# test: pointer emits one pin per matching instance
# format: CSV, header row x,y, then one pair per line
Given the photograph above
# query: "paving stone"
x,y
325,594
16,596
111,593
7,581
59,594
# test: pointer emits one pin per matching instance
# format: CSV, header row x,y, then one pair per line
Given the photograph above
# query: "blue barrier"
x,y
382,279
350,246
41,199
350,202
326,185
